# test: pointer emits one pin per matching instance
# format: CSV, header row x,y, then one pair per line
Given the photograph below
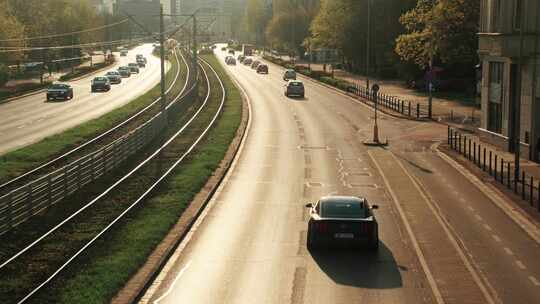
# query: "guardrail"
x,y
503,171
404,107
22,203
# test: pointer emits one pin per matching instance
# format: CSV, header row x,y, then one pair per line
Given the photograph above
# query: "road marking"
x,y
470,208
521,265
478,217
461,199
429,276
496,238
173,283
534,281
446,228
22,126
487,227
508,251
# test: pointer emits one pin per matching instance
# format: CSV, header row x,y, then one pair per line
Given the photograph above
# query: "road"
x,y
31,118
443,239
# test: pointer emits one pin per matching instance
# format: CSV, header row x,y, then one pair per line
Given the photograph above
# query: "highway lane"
x,y
251,246
442,239
32,118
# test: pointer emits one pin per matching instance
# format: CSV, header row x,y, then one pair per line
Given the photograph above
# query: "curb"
x,y
140,282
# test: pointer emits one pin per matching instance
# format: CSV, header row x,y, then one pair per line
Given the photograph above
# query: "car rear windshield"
x,y
343,210
100,79
296,84
58,86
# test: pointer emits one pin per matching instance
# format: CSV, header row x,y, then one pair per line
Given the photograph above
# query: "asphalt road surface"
x,y
443,239
32,118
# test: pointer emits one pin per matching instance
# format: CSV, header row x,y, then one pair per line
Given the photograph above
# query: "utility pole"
x,y
431,75
368,44
517,101
195,45
162,59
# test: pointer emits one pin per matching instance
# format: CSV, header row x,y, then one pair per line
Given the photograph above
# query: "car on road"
x,y
262,69
227,58
114,77
289,74
100,84
294,88
133,67
60,90
342,221
255,64
231,51
123,53
224,48
248,61
141,63
231,61
124,71
241,58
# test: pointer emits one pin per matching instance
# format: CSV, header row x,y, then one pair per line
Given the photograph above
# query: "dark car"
x,y
231,61
289,74
141,58
124,71
294,88
123,53
241,58
342,220
224,48
60,90
134,67
255,64
247,61
100,84
262,69
114,77
141,63
231,52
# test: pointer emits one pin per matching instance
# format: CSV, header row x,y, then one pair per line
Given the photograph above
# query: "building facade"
x,y
501,49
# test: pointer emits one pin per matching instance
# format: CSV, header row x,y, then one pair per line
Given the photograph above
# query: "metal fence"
x,y
22,203
407,108
503,171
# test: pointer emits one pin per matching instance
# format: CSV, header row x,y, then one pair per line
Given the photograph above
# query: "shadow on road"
x,y
360,267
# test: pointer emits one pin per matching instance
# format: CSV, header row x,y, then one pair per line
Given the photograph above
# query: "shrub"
x,y
4,74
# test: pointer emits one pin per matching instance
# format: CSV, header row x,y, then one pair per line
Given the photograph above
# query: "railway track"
x,y
102,139
38,260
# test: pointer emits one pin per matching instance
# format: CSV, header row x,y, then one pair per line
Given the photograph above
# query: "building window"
x,y
496,72
518,9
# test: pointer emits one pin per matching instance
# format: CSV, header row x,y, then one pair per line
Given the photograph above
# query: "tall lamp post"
x,y
368,42
517,101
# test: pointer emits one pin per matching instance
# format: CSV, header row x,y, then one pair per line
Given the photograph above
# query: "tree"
x,y
256,18
287,30
10,28
445,31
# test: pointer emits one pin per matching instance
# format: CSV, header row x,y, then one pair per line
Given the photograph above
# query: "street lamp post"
x,y
368,42
517,101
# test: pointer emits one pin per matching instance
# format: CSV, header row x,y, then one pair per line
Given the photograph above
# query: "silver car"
x,y
294,88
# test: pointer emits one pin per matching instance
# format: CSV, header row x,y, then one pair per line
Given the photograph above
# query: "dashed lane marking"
x,y
521,265
508,251
534,281
478,217
487,227
470,208
496,238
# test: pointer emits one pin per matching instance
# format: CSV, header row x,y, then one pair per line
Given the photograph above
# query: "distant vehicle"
x,y
248,61
294,88
262,69
231,61
100,84
241,58
227,58
247,49
289,74
342,220
124,71
123,52
255,64
134,67
60,90
224,48
114,77
231,51
213,46
141,62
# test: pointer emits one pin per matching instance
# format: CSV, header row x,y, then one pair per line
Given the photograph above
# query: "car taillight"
x,y
366,228
322,227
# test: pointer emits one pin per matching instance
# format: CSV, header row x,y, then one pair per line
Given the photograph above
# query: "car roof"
x,y
295,81
342,199
101,78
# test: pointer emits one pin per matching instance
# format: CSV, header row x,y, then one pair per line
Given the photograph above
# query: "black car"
x,y
262,69
134,67
342,221
141,63
114,77
124,71
60,90
101,84
248,61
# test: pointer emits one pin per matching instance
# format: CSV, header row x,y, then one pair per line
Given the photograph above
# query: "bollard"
x,y
531,184
495,171
417,111
490,163
449,134
474,152
484,161
452,115
523,185
459,143
508,175
469,149
402,107
409,110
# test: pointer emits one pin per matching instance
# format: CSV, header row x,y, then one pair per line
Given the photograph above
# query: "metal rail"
x,y
102,135
32,198
132,172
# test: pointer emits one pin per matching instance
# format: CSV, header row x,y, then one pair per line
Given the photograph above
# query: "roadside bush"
x,y
4,74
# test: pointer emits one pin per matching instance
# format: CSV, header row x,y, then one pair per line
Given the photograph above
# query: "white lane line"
x,y
487,227
508,251
496,238
461,199
470,208
534,281
521,265
173,283
22,126
478,217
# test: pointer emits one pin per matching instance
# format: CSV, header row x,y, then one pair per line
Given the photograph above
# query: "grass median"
x,y
15,163
108,265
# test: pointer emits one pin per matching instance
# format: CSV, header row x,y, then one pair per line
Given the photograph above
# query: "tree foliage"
x,y
445,31
288,29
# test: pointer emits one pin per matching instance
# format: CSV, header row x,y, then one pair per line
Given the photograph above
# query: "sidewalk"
x,y
463,114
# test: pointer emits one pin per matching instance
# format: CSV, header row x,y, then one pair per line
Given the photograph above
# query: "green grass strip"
x,y
17,162
110,263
